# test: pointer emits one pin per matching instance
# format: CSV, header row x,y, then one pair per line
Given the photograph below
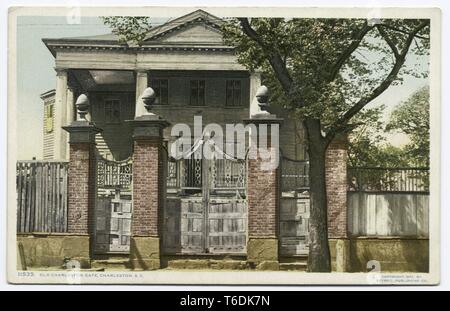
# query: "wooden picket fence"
x,y
41,196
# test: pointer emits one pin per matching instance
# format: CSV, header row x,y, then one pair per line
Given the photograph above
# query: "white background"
x,y
445,121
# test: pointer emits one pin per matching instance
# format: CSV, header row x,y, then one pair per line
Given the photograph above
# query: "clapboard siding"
x,y
48,136
48,146
41,196
388,214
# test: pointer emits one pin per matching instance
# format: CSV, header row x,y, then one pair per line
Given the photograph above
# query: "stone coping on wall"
x,y
383,238
43,234
51,234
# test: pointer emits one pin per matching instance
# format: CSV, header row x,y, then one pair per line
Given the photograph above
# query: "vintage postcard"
x,y
245,145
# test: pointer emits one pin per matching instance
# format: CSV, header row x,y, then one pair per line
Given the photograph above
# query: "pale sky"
x,y
35,75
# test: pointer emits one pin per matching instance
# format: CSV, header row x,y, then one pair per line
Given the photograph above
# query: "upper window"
x,y
112,111
197,93
161,88
48,118
233,93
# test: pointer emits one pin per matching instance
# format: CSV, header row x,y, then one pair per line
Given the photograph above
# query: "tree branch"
x,y
402,31
388,40
348,51
273,56
400,60
412,35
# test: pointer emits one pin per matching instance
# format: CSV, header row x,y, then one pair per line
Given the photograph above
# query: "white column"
x,y
60,136
70,114
255,83
141,85
70,105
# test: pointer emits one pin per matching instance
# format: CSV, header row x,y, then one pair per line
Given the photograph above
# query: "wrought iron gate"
x,y
294,207
206,206
113,206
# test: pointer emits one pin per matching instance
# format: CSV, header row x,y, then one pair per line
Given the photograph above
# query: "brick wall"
x,y
262,200
336,181
147,186
81,188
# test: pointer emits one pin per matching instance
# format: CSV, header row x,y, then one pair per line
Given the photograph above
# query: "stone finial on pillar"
x,y
263,188
148,184
262,100
81,175
82,106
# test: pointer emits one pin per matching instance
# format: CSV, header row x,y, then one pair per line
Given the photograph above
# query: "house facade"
x,y
132,205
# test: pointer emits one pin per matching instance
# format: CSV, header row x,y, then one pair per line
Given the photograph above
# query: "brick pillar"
x,y
80,188
148,187
263,204
81,184
336,182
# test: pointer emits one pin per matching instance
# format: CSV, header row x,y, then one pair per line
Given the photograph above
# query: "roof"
x,y
183,22
105,37
153,40
47,94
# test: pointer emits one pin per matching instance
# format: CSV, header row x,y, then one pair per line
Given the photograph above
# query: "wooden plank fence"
x,y
386,202
41,196
388,214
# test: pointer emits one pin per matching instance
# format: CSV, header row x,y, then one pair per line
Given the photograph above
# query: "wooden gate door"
x,y
113,207
294,225
192,225
294,208
184,212
120,230
206,207
226,206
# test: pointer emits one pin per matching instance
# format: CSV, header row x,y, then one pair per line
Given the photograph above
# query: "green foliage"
x,y
412,118
327,77
369,147
131,29
364,153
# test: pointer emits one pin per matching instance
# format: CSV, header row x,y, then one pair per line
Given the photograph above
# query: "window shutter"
x,y
49,118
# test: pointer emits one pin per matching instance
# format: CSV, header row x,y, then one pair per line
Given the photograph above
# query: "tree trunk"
x,y
319,252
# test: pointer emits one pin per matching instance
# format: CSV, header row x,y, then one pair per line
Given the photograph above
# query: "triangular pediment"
x,y
196,27
195,33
